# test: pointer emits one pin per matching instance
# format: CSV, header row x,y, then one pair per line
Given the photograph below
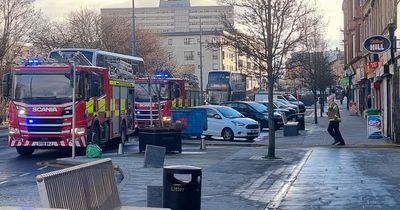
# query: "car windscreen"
x,y
291,98
259,107
229,112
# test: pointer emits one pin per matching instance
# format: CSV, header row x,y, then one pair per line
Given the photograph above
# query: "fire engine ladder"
x,y
120,69
77,57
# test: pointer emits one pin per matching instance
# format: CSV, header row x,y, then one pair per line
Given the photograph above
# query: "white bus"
x,y
100,58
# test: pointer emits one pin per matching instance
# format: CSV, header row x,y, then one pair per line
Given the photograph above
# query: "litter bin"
x,y
193,119
182,194
301,121
373,112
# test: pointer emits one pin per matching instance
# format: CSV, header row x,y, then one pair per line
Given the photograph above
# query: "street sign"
x,y
377,44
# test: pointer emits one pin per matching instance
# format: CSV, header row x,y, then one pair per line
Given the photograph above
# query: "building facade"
x,y
371,76
179,24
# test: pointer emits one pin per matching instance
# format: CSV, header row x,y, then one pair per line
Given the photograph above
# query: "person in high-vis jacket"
x,y
334,120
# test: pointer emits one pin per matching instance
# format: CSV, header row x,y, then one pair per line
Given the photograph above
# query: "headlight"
x,y
21,110
166,119
237,123
12,130
80,131
68,110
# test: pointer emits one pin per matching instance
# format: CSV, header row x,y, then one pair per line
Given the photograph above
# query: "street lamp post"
x,y
133,29
73,107
201,64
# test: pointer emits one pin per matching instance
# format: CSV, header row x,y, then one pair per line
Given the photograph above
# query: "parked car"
x,y
228,123
293,100
292,108
288,114
255,111
288,104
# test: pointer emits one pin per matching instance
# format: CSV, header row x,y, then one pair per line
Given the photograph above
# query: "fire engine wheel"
x,y
95,135
124,136
25,151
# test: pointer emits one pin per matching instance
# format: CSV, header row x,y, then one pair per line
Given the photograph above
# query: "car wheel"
x,y
25,151
227,134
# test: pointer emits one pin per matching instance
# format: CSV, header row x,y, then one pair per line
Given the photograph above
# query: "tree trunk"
x,y
271,81
315,108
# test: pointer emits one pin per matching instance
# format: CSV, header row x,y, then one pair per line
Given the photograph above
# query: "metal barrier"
x,y
87,186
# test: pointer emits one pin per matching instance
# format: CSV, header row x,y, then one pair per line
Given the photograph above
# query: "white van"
x,y
263,96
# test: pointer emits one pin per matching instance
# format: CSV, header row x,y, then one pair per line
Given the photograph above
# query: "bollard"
x,y
120,152
203,144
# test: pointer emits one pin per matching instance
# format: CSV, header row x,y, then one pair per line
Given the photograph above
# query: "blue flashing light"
x,y
138,112
162,74
32,61
30,121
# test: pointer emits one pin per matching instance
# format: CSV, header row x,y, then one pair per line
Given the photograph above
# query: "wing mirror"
x,y
6,85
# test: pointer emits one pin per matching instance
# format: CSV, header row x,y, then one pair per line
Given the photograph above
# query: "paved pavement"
x,y
353,128
233,177
347,178
3,132
310,174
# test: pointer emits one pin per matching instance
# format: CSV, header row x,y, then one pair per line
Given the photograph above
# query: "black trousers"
x,y
333,130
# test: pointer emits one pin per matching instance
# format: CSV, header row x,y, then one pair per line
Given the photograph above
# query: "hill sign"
x,y
377,44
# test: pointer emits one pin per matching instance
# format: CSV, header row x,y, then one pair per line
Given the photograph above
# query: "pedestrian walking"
x,y
334,120
341,96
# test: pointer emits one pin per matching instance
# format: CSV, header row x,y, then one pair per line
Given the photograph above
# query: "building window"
x,y
215,55
188,41
170,55
215,66
169,41
189,55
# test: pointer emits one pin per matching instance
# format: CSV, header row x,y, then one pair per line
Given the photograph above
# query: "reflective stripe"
x,y
108,114
102,105
122,83
174,103
90,106
123,104
112,106
180,102
116,113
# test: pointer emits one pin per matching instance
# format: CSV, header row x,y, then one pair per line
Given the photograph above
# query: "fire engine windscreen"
x,y
142,92
42,87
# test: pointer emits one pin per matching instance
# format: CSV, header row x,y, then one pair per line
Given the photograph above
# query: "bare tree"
x,y
273,29
311,63
50,35
314,71
87,28
150,45
17,19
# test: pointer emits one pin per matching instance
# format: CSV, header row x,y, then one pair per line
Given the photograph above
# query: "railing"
x,y
87,186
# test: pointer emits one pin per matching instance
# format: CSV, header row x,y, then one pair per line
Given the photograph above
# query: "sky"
x,y
58,9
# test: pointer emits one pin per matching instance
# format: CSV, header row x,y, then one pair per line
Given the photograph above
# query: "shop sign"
x,y
377,44
373,65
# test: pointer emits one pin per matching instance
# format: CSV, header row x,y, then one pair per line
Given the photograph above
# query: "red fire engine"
x,y
169,93
40,107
